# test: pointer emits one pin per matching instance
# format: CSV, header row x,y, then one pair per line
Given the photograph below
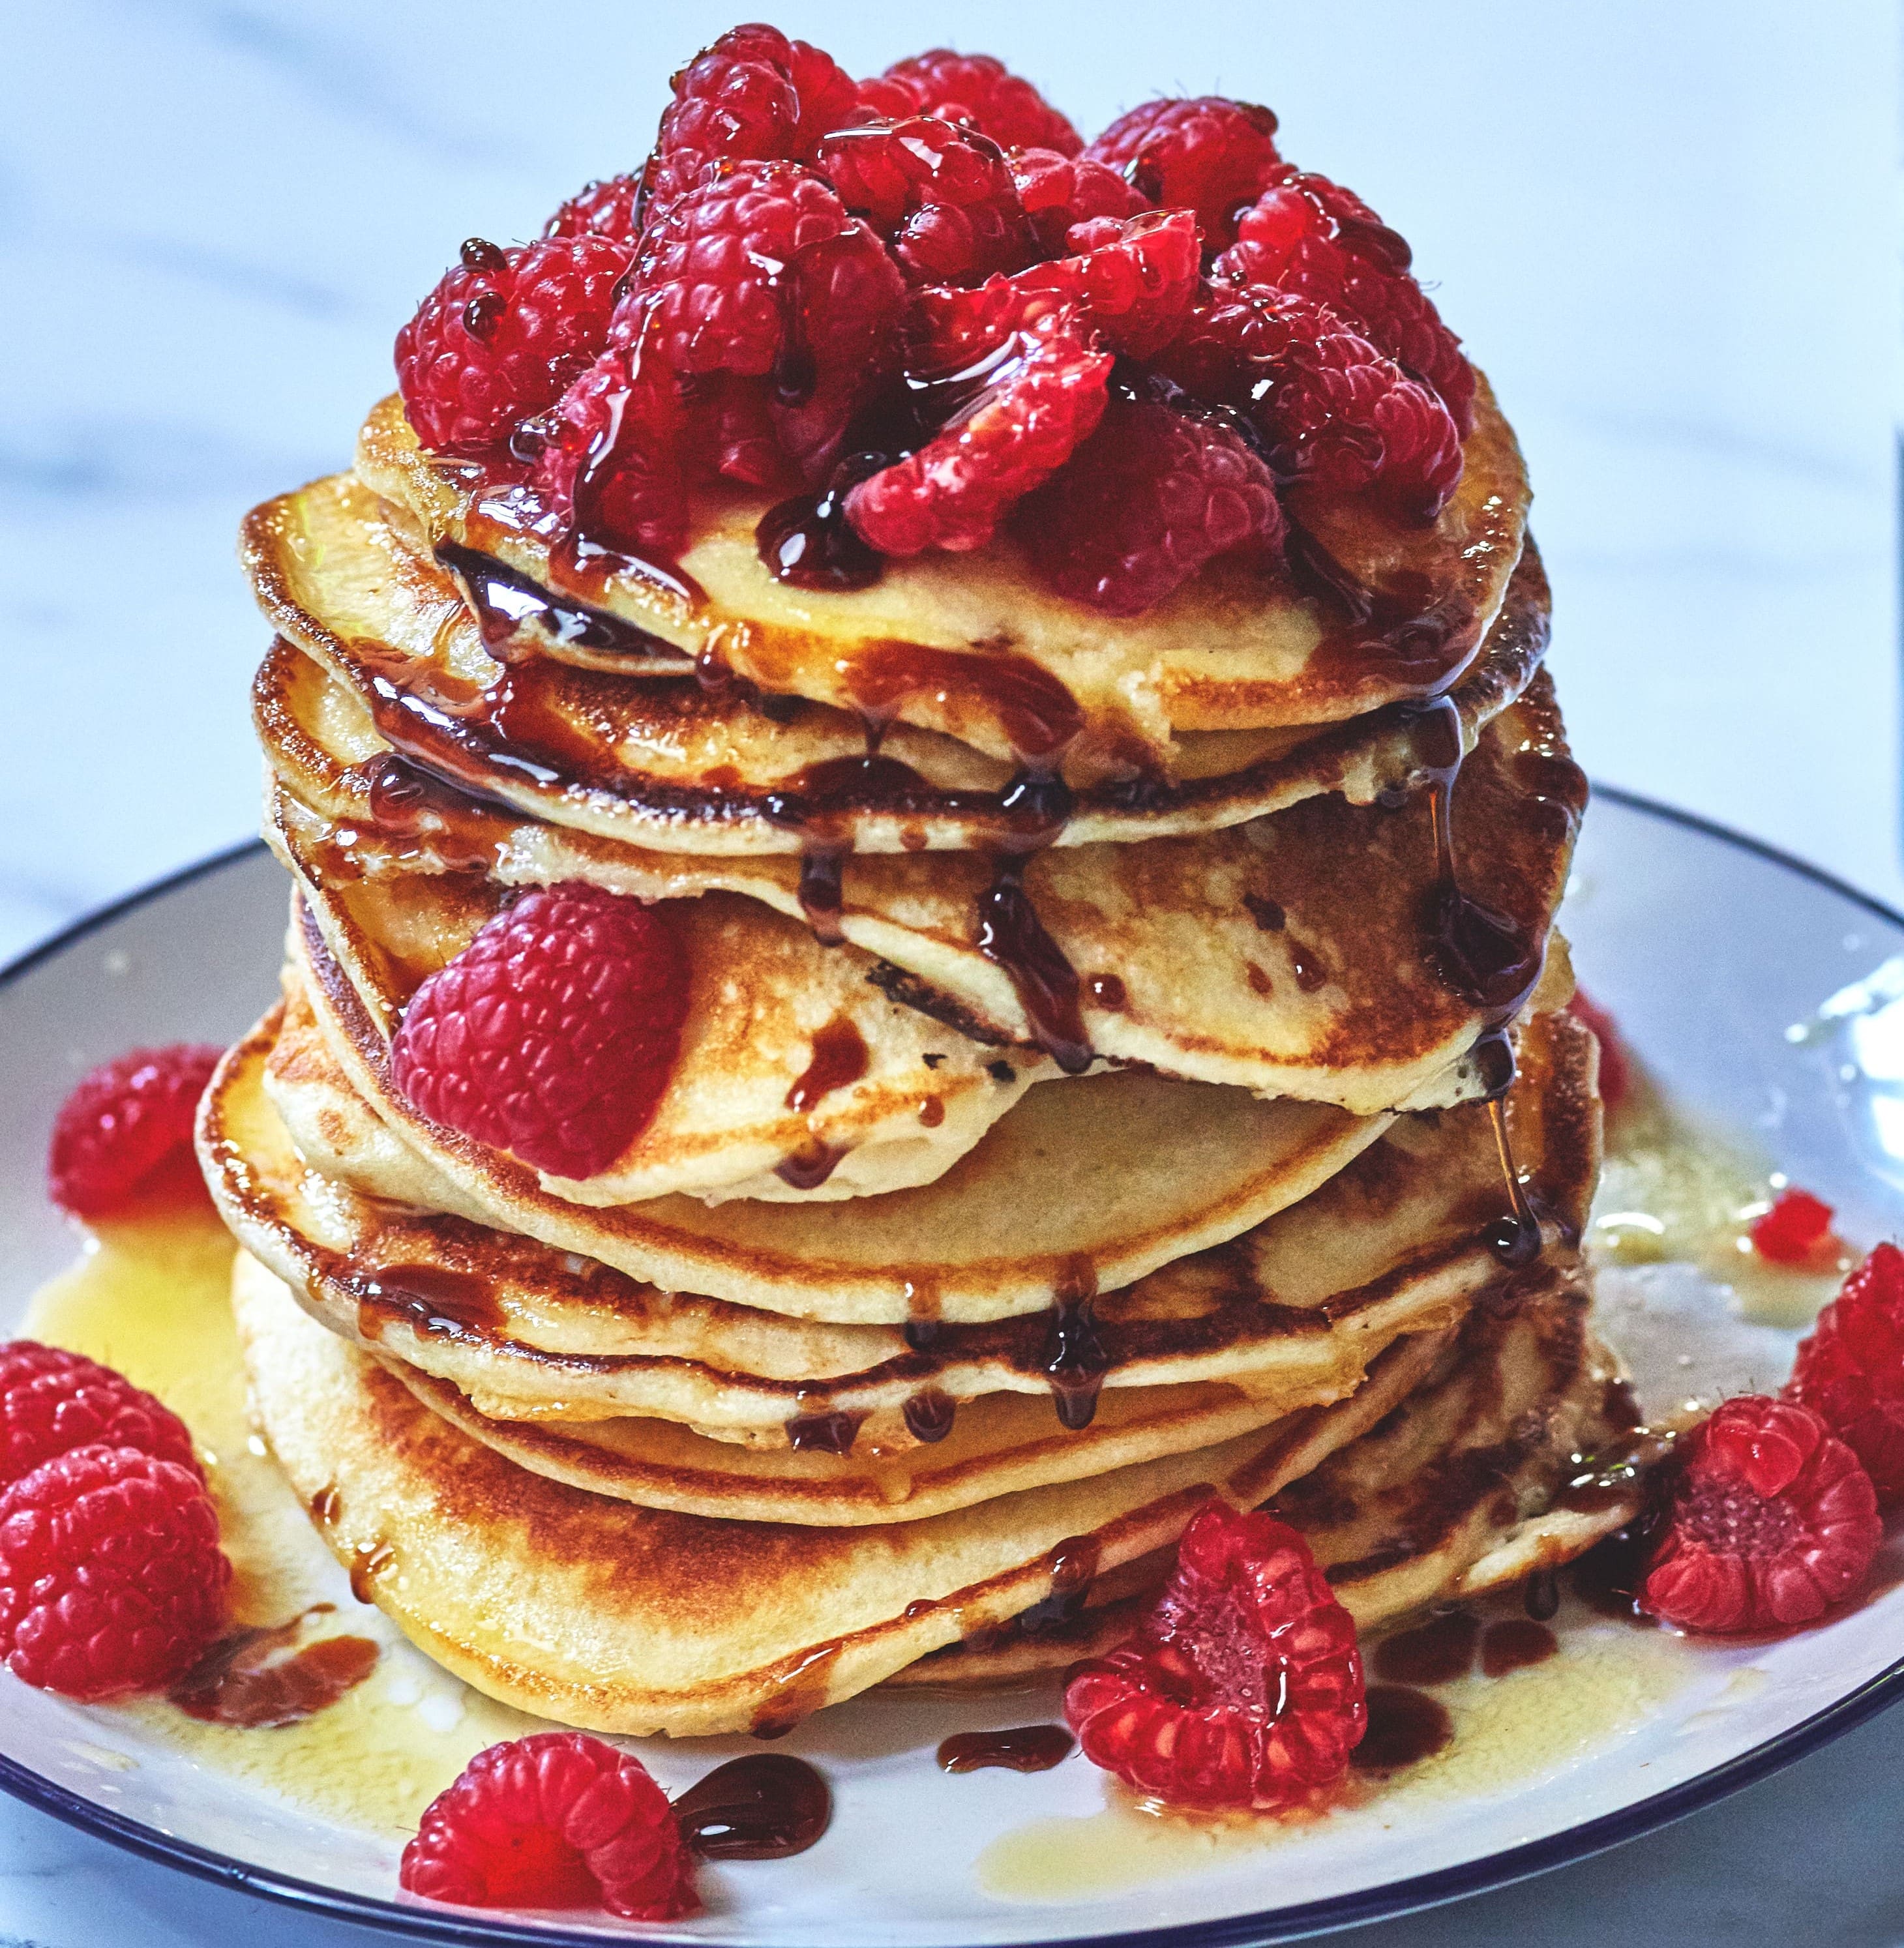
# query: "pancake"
x,y
1457,1491
973,644
1244,956
625,1620
1083,1188
670,764
791,1058
1397,1241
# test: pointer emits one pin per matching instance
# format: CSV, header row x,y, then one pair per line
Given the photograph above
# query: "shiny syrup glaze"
x,y
929,1415
369,1562
1075,1361
506,603
431,1299
1402,635
1405,1727
1540,1595
808,542
808,1169
824,1431
765,1806
1022,1748
800,1690
839,1059
253,1678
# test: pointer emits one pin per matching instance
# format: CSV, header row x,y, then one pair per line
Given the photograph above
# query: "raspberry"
x,y
124,1123
944,196
755,94
1133,281
976,90
1338,413
610,465
1211,155
1243,1686
1795,1231
52,1401
554,1033
1616,1065
1042,400
609,208
1056,191
502,335
1772,1520
1309,235
1850,1369
111,1578
557,1820
1151,496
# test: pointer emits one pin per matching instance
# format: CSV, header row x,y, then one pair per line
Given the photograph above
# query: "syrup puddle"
x,y
150,1296
1510,1732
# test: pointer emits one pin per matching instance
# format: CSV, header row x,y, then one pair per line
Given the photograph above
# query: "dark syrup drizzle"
x,y
252,1678
1075,1360
1405,1727
838,1060
826,1431
1513,1644
800,1690
765,1806
431,1299
505,602
929,1414
1436,1652
1023,1748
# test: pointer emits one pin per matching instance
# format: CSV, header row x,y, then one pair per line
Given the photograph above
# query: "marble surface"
x,y
1669,234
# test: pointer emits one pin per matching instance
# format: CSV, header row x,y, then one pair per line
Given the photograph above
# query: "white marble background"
x,y
1668,233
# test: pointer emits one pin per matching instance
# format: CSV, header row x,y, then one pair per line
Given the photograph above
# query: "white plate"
x,y
1720,960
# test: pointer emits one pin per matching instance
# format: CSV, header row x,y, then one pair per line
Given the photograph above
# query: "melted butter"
x,y
150,1297
1674,1190
1510,1732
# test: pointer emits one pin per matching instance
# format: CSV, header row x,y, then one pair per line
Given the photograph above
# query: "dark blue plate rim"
x,y
1378,1904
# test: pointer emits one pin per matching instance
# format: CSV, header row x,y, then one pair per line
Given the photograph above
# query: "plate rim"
x,y
1383,1902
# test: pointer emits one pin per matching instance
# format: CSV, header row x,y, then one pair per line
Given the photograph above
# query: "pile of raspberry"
x,y
925,299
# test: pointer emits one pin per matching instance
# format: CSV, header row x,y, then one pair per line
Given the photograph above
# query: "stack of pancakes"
x,y
1105,1038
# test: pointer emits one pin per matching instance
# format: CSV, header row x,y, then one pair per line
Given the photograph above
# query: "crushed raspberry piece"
x,y
1056,191
1133,281
1210,155
609,208
1151,496
555,1820
975,91
111,1578
1795,1231
52,1401
1772,1520
944,196
1309,235
502,335
553,1034
1616,1065
124,1123
1337,413
1849,1370
1243,1686
1041,399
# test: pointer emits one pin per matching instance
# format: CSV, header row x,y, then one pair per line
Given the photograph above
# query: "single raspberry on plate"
x,y
976,90
1056,191
1041,399
504,333
1151,496
609,208
1243,1686
1850,1369
1796,1231
124,1123
52,1400
944,196
1616,1065
111,1578
555,1820
1209,154
1338,413
1772,1520
553,1034
1307,233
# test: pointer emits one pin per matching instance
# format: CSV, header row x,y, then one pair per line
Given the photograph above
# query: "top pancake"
x,y
973,644
667,763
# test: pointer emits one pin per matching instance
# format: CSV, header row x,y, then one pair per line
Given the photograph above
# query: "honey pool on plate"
x,y
150,1296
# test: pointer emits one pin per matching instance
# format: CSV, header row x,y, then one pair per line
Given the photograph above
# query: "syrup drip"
x,y
1034,714
831,1430
1072,1566
922,1324
822,870
1108,993
1405,1727
252,1678
372,1559
1024,1748
808,542
838,1060
929,1415
767,1806
327,1504
431,1299
506,602
808,1169
1012,937
1075,1361
800,1690
1402,635
1541,1596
